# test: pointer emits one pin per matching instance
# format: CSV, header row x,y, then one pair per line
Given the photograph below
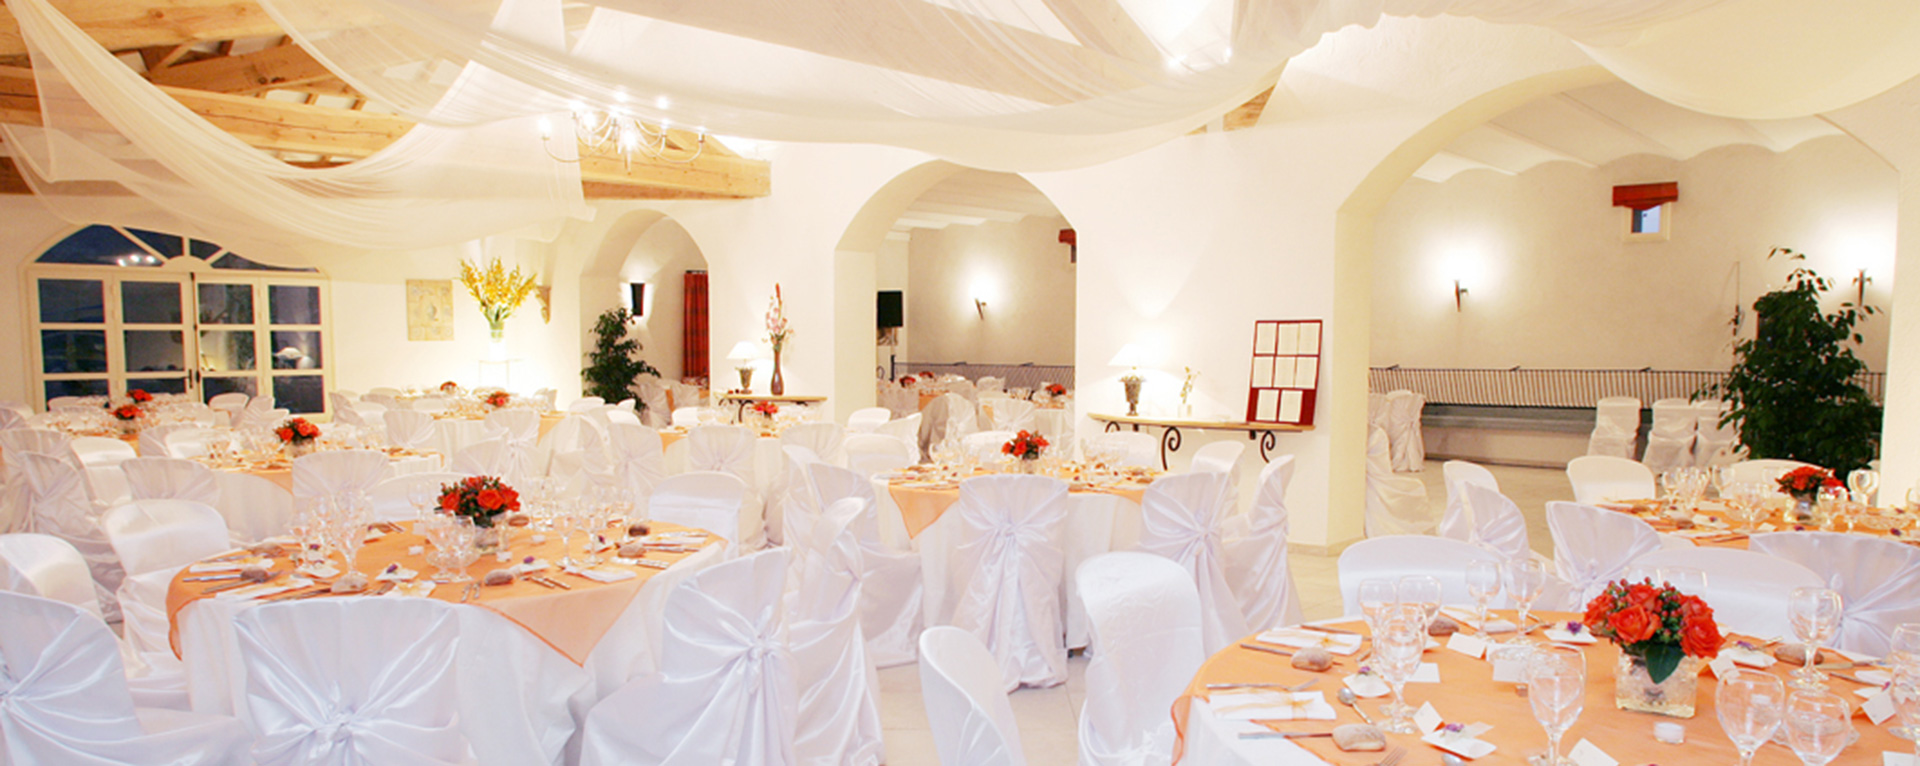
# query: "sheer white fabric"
x,y
1604,478
865,419
730,450
1404,431
335,472
907,430
153,439
517,426
49,567
166,478
1256,552
826,440
967,708
255,507
95,451
192,442
1616,426
1713,443
1764,471
639,463
1670,440
41,441
392,498
725,692
985,446
1747,590
1394,556
1055,424
1008,414
838,718
493,457
1592,546
1223,457
1182,514
709,500
1497,523
1396,505
891,587
1878,581
66,699
1134,449
1007,571
58,505
1457,524
1144,650
868,454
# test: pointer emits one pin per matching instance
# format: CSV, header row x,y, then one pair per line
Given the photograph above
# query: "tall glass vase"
x,y
1634,689
777,386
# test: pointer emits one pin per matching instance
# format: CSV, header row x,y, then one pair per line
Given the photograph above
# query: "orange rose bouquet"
x,y
1659,625
498,399
139,396
128,412
297,431
485,499
1805,482
768,409
1025,445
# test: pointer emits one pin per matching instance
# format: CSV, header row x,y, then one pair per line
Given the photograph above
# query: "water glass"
x,y
1376,595
1556,690
1750,704
1397,648
1524,579
1422,591
1483,583
1905,692
1904,651
1864,481
1688,580
1815,616
1819,725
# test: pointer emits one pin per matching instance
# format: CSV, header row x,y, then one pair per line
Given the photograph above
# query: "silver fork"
x,y
1393,757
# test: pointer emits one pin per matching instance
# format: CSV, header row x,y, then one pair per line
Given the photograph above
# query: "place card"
x,y
1752,658
1898,759
1722,666
1879,706
1510,671
318,569
603,575
397,573
1300,638
1464,743
1467,617
1468,644
1586,753
1429,673
1426,718
1560,634
1765,528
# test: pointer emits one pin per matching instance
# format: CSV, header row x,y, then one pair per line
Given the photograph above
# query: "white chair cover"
x,y
792,489
985,446
11,418
1145,648
617,415
838,718
1497,523
517,425
1055,424
658,409
1007,571
408,429
49,567
1182,516
101,451
868,454
1747,590
385,397
1392,557
961,387
1764,471
891,588
432,404
826,440
865,419
153,439
638,462
255,507
685,396
263,418
67,700
907,430
42,441
192,442
951,416
1396,505
686,417
166,478
155,539
1670,440
967,708
1256,553
58,505
392,498
725,692
1377,411
1616,426
492,457
333,472
1404,432
729,450
1592,546
1713,444
899,400
353,681
1457,524
1007,414
1604,478
709,500
1135,449
1221,456
1878,581
990,383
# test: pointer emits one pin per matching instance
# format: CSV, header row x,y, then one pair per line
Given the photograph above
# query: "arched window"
x,y
115,309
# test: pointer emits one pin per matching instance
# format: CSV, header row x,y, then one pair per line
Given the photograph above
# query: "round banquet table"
x,y
518,642
1468,694
1722,529
913,514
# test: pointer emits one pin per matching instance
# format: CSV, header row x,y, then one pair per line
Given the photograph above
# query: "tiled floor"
x,y
1049,717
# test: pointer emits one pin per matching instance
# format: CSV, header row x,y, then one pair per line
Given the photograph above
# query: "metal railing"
x,y
1017,375
1519,387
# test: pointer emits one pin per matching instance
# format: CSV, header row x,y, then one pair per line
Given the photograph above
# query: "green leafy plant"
x,y
612,364
1792,390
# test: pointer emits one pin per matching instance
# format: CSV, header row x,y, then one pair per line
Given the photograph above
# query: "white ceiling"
x,y
971,198
1596,125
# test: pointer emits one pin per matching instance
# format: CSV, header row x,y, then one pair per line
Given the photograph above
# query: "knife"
x,y
1283,734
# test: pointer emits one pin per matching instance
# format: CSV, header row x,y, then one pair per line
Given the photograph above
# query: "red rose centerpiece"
x,y
484,499
1804,483
498,399
1055,389
1026,448
907,381
297,435
449,387
1664,636
139,396
127,412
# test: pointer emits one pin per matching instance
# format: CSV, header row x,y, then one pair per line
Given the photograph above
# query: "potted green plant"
x,y
612,364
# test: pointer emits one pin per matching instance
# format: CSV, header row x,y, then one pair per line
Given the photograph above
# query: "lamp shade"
x,y
744,351
1129,355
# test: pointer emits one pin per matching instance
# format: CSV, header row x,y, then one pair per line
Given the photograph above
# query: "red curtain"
x,y
693,340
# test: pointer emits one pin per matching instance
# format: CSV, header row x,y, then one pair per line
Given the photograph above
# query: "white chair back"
x,y
517,425
1221,457
586,403
1055,424
393,498
637,460
1004,413
985,446
906,429
1008,570
686,417
1670,440
41,441
492,457
1256,553
188,443
432,404
167,478
890,591
1764,471
709,500
1592,546
153,439
1145,648
1878,581
838,717
324,474
1457,524
1713,444
618,415
868,454
1396,505
48,567
57,505
658,409
1616,426
254,506
1747,590
157,535
1394,556
967,707
1182,516
1403,430
1605,478
1134,449
1497,523
865,419
96,451
825,440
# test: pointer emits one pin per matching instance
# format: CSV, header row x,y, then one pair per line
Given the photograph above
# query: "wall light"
x,y
1458,291
1861,282
980,306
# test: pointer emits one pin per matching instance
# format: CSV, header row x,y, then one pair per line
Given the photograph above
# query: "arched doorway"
x,y
649,256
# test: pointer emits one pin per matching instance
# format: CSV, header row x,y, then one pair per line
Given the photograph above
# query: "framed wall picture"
x,y
1286,371
429,309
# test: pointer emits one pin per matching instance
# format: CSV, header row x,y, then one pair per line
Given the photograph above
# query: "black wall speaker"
x,y
888,311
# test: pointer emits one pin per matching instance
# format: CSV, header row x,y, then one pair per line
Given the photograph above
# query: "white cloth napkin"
x,y
1752,658
319,569
1338,643
401,574
1466,743
1271,706
1559,634
264,589
603,575
1467,617
210,567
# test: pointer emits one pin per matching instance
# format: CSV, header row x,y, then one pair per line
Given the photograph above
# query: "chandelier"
x,y
612,132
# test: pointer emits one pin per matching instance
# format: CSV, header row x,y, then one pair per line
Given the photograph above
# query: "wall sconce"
x,y
1458,291
637,294
980,306
1861,282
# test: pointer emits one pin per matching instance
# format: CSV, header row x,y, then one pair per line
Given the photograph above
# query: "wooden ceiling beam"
x,y
273,68
130,24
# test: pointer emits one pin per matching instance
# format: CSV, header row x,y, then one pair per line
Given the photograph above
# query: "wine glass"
x,y
1483,583
1723,480
1905,691
1688,580
1819,725
1397,647
421,494
566,517
1750,704
1422,591
1556,690
1815,615
1904,651
1376,595
1524,580
1864,481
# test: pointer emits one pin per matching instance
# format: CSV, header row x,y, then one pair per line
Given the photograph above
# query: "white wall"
x,y
30,227
661,258
1551,283
1020,269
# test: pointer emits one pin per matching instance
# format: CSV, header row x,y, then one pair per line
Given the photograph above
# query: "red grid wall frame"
x,y
693,337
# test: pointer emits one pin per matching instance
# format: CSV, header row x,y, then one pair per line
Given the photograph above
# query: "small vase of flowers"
x,y
1026,448
297,435
487,501
140,396
128,417
1804,484
1664,637
763,412
449,387
498,399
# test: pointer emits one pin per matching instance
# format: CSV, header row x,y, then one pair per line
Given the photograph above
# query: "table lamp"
x,y
744,354
1131,357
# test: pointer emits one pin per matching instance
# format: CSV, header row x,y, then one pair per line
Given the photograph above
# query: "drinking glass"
x,y
1556,690
566,516
1397,647
1483,583
1688,580
421,494
1422,591
1376,595
1815,615
1524,579
1864,481
1904,651
1750,704
1723,480
1905,691
1818,726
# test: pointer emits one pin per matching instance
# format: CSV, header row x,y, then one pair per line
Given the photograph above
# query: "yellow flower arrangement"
x,y
497,290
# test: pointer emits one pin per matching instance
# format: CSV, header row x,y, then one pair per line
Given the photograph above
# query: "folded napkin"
x,y
1704,520
1271,706
264,589
397,574
1338,643
1467,617
1559,634
318,569
1752,658
603,575
413,589
1465,742
215,566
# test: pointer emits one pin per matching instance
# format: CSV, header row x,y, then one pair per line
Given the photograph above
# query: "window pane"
x,y
74,350
233,262
150,302
158,385
202,250
294,304
99,246
296,350
226,350
59,388
72,300
299,393
226,304
167,245
212,387
155,351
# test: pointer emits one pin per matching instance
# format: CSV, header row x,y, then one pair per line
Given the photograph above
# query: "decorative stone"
x,y
256,573
498,577
1313,658
1442,626
1796,654
633,550
1358,736
639,529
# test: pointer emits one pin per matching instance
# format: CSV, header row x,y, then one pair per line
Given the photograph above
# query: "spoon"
x,y
1449,759
1346,697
